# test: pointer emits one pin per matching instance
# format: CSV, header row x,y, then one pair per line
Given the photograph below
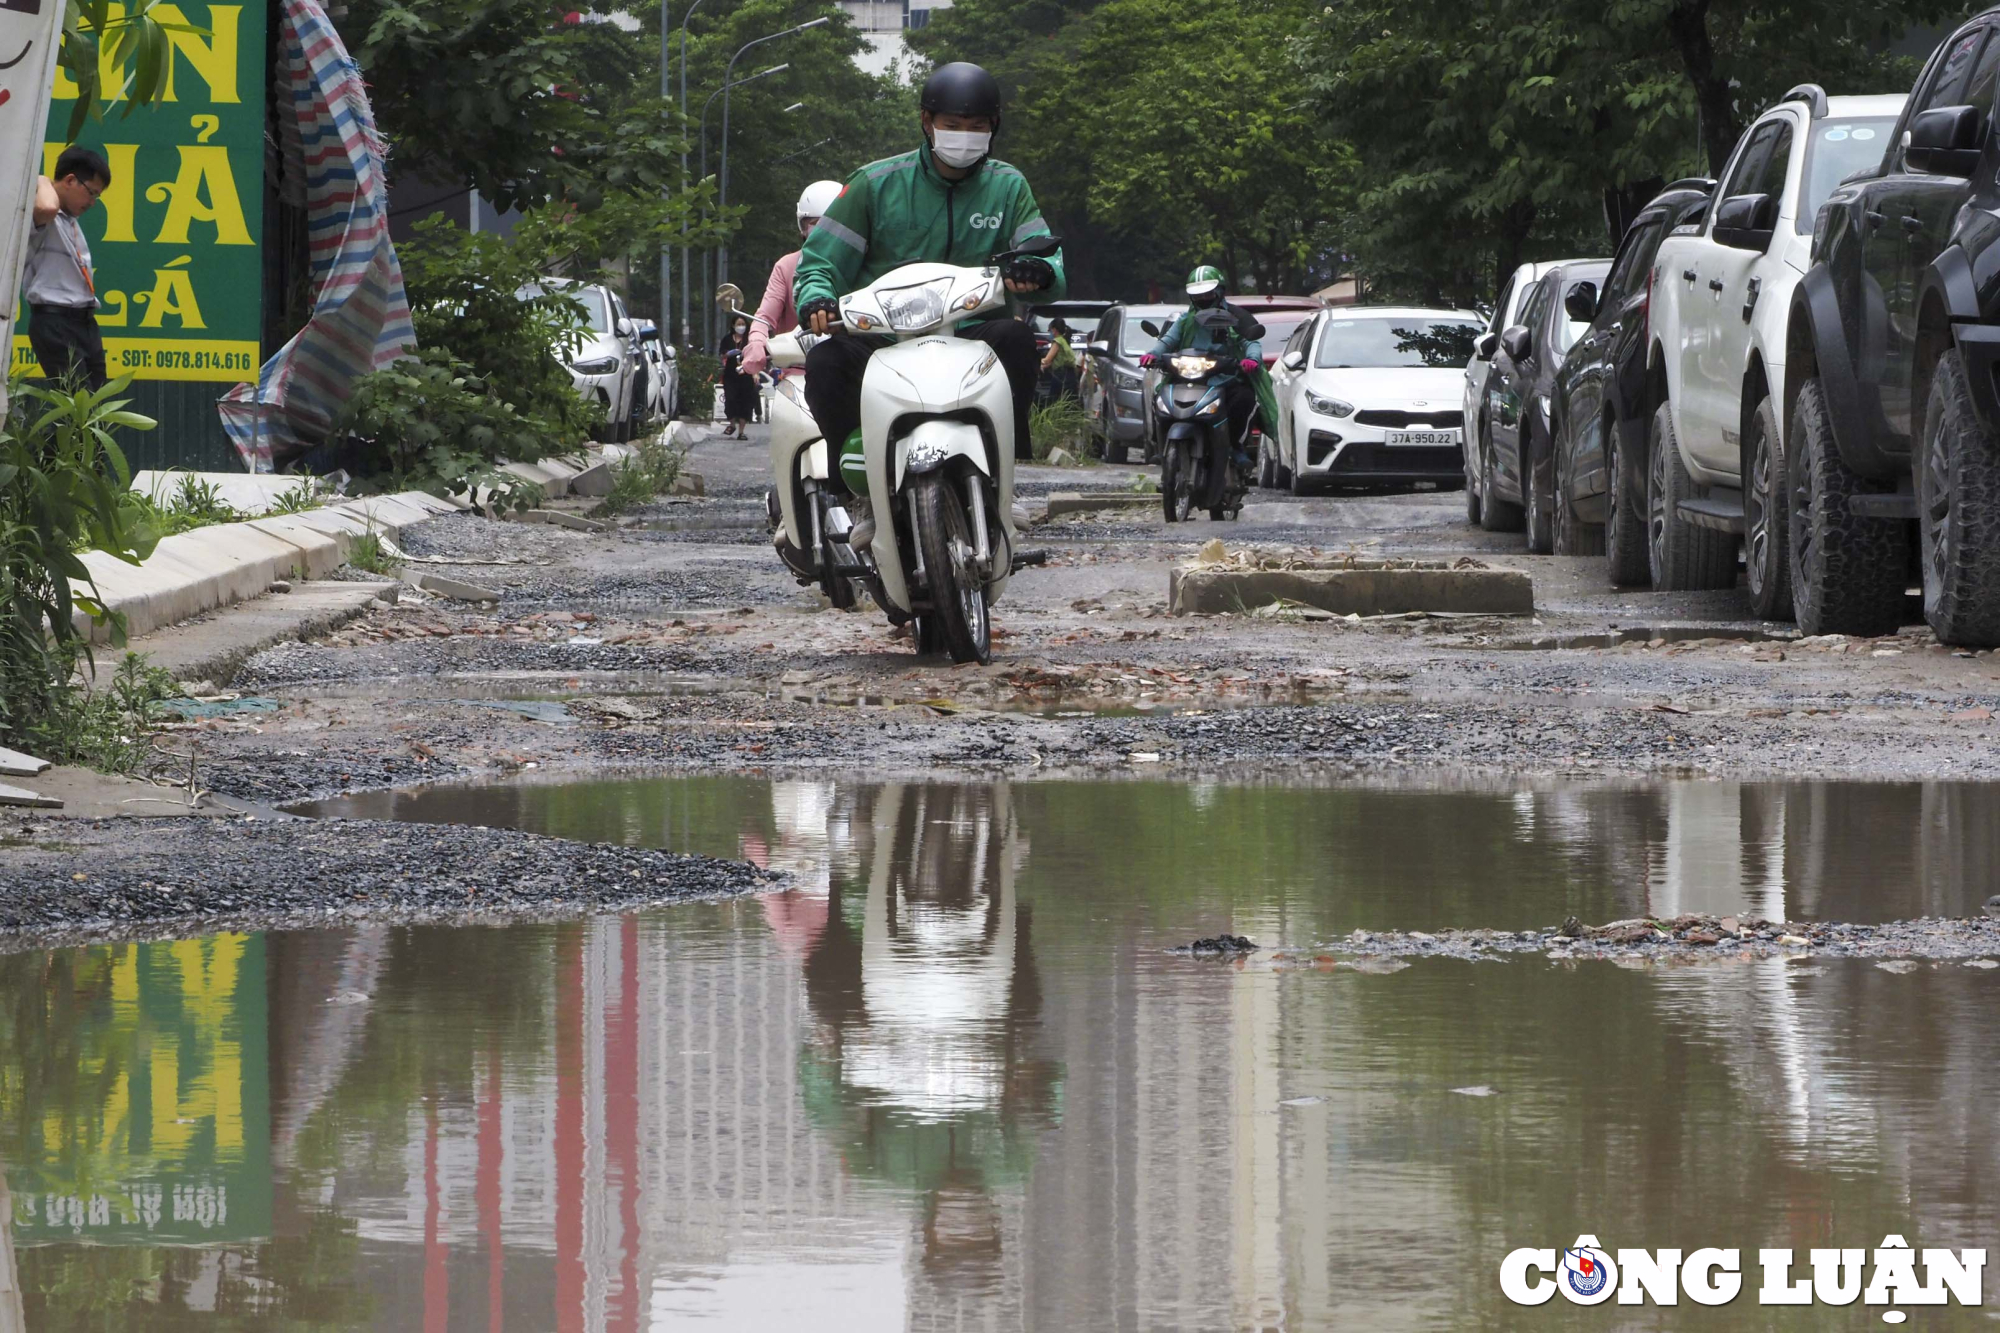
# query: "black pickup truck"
x,y
1892,424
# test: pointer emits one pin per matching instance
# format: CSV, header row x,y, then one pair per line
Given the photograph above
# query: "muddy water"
x,y
949,1078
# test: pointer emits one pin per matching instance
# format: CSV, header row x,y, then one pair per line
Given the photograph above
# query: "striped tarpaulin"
x,y
361,317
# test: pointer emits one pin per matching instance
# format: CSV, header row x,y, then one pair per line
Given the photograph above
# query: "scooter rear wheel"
x,y
957,592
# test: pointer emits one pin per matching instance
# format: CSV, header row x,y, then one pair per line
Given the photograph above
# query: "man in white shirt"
x,y
58,286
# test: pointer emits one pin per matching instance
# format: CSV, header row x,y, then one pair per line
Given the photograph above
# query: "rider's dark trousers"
x,y
835,366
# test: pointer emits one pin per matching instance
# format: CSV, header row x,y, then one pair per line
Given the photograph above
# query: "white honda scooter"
x,y
937,430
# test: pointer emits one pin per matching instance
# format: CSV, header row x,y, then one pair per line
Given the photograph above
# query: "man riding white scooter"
x,y
948,202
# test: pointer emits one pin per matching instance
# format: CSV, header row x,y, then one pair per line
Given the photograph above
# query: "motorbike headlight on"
x,y
597,365
1193,367
1331,407
914,309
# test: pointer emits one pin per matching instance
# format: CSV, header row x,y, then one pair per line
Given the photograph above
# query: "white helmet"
x,y
817,198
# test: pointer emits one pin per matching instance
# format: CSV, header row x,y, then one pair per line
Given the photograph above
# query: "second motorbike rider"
x,y
1239,342
948,202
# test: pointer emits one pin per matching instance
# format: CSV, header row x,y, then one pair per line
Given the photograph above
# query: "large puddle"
x,y
950,1078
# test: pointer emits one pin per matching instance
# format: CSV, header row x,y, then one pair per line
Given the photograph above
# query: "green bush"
x,y
700,373
652,471
64,487
1058,424
431,423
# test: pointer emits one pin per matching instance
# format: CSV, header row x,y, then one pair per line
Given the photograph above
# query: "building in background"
x,y
883,23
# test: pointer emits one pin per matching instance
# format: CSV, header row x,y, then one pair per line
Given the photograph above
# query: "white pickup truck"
x,y
1721,298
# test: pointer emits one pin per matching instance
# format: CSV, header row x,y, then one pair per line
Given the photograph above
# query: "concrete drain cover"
x,y
1219,583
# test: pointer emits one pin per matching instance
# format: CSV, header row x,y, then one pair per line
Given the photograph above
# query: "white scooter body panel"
x,y
793,429
961,375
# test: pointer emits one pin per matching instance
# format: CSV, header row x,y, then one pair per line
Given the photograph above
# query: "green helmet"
x,y
1204,285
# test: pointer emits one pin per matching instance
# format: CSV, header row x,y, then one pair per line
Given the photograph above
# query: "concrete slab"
x,y
552,477
215,647
22,796
245,492
319,553
14,764
1368,588
456,588
557,518
593,482
1088,502
84,794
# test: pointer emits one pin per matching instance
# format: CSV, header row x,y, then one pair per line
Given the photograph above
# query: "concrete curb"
x,y
1219,590
1088,502
216,648
194,572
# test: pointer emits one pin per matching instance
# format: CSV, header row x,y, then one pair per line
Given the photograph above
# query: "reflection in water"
x,y
942,1082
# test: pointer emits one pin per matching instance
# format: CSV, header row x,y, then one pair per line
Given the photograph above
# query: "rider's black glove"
x,y
818,305
1031,272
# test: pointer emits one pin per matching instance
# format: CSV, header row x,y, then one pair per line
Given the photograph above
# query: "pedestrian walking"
x,y
739,386
1059,363
57,284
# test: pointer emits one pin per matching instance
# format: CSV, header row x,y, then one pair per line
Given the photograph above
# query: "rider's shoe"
x,y
863,514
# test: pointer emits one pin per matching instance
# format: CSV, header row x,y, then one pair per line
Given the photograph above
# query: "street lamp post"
x,y
722,268
719,92
799,153
685,330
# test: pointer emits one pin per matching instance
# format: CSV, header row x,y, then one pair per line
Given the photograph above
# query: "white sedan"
x,y
1369,396
607,365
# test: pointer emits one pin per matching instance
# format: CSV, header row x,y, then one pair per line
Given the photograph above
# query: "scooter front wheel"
x,y
957,592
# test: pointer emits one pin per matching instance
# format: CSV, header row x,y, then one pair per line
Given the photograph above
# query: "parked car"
x,y
606,365
663,372
1720,316
1366,397
1890,405
1517,487
1114,389
1598,410
1506,314
1280,316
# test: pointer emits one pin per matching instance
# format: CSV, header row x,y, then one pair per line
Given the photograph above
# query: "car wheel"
x,y
1958,514
1300,484
1848,571
1495,514
1766,565
1538,487
1624,516
1680,556
1267,463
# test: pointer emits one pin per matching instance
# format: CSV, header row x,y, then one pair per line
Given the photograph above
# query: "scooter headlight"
x,y
914,309
1193,367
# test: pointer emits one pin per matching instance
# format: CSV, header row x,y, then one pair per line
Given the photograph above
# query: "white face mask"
x,y
743,328
960,148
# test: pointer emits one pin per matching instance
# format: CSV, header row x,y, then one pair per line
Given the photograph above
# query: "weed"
x,y
1057,425
108,728
368,554
651,471
295,500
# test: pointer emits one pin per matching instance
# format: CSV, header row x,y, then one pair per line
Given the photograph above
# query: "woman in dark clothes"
x,y
739,390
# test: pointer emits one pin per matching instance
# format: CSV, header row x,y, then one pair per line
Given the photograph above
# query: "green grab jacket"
x,y
900,211
1235,342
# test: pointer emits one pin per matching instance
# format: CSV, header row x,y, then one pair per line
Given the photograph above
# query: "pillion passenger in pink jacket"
x,y
778,313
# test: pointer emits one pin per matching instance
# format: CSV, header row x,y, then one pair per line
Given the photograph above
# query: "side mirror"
x,y
1097,349
1151,326
673,353
1580,302
1486,345
1944,141
1039,247
1518,343
1746,221
1294,361
623,328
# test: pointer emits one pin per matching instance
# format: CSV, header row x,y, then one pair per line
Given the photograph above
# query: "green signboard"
x,y
136,1109
175,240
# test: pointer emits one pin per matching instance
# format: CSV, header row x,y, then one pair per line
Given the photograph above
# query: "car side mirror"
x,y
1097,349
1944,141
1580,302
1151,326
1518,343
1746,221
1295,361
623,328
673,353
1486,345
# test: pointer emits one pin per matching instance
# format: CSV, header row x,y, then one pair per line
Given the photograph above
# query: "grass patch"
x,y
108,727
1061,424
650,472
297,500
370,555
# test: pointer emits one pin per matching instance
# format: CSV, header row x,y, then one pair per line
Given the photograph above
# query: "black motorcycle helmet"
x,y
962,89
